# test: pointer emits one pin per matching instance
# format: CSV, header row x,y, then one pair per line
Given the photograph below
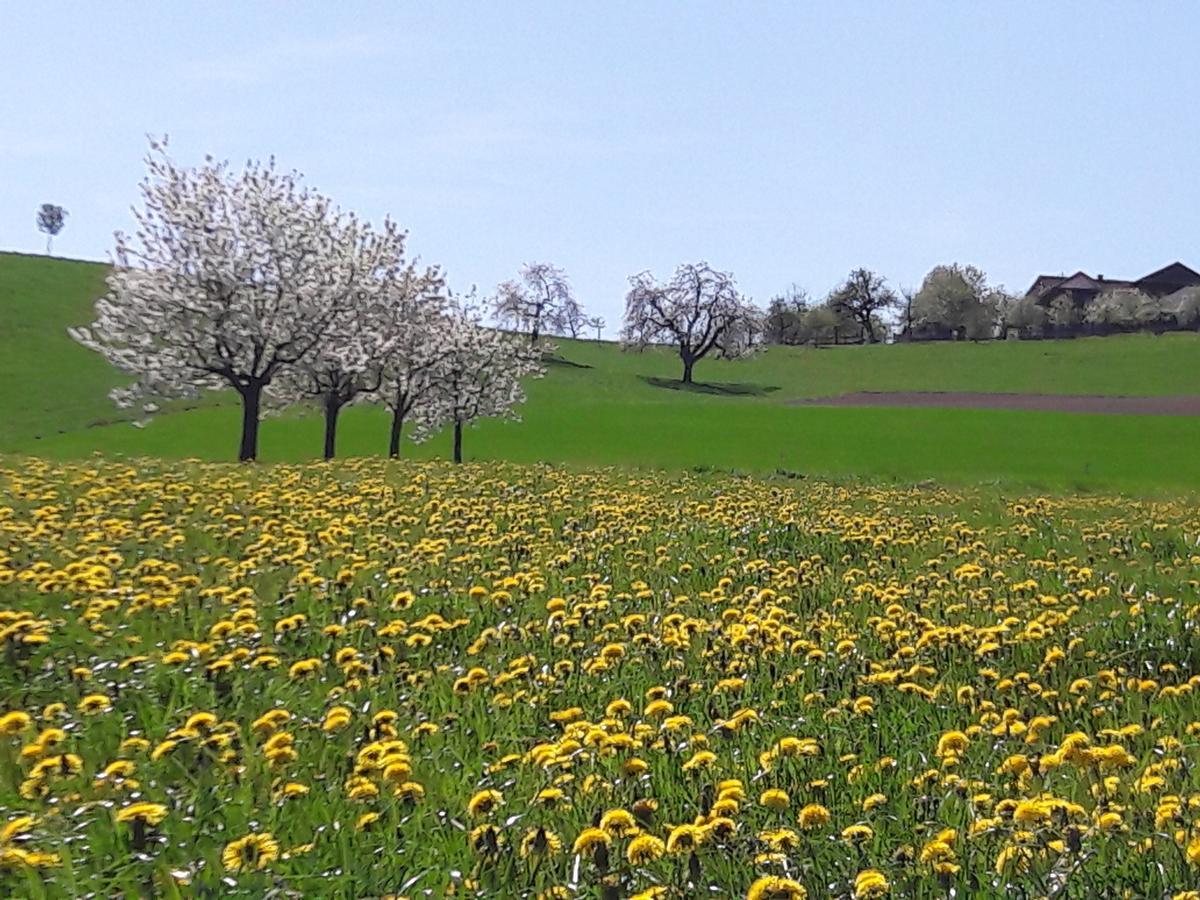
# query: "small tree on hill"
x,y
538,300
572,319
784,320
699,311
50,221
864,297
955,301
825,324
1025,316
232,278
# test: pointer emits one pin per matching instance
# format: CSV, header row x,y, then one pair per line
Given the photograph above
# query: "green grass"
x,y
603,406
48,383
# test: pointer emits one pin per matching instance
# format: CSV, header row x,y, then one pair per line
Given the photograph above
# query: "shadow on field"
x,y
553,359
727,389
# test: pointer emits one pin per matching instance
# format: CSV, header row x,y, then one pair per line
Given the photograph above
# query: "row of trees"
x,y
956,302
953,302
254,282
1113,312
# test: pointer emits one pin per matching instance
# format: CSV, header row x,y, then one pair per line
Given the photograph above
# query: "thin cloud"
x,y
266,61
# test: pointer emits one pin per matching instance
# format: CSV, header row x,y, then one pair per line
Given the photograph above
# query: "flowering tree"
x,y
538,300
349,364
479,374
416,320
344,367
231,279
50,221
954,301
699,311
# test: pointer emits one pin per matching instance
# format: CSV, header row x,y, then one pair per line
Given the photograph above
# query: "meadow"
x,y
366,679
598,405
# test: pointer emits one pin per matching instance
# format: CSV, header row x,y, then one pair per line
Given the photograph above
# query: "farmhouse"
x,y
1082,288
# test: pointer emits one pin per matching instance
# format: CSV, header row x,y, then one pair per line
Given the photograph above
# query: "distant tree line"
x,y
1117,311
956,302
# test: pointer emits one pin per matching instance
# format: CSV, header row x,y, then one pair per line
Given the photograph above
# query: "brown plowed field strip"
x,y
1084,403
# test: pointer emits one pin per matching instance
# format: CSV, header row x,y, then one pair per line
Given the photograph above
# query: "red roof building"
x,y
1083,288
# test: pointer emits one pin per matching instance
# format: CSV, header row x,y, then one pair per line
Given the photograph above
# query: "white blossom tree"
x,y
344,367
479,375
538,300
699,311
417,321
230,279
386,320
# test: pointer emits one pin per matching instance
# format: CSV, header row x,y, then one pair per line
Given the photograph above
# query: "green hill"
x,y
598,404
48,383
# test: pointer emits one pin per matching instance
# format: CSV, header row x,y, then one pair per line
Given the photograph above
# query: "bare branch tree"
x,y
539,299
699,311
863,297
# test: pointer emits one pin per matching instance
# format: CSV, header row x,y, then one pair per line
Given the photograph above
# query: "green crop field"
x,y
599,405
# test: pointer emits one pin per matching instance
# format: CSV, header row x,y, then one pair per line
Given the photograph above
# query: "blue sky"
x,y
786,142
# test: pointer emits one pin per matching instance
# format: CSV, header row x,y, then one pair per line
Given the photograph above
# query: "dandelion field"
x,y
366,679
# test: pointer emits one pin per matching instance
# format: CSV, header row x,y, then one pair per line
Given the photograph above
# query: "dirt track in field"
x,y
1085,403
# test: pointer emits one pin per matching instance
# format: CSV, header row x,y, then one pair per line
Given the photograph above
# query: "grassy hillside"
x,y
48,383
1132,365
604,406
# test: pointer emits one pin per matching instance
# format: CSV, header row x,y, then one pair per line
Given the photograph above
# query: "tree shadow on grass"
x,y
725,389
553,359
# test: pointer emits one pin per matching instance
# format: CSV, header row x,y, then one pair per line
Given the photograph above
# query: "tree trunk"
x,y
49,242
332,408
251,403
534,331
687,369
397,428
458,440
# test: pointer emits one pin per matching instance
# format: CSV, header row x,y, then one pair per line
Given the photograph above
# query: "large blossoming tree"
x,y
230,279
699,312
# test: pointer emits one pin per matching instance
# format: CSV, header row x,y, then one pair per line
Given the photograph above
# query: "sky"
x,y
785,142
